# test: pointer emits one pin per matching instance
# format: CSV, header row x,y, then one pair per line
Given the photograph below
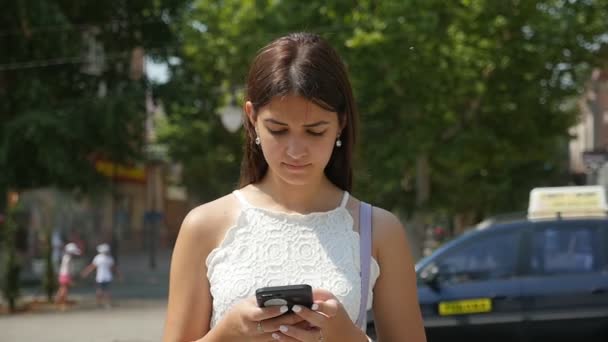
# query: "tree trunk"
x,y
49,281
10,284
423,193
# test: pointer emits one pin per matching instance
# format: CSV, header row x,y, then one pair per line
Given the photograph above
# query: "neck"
x,y
319,195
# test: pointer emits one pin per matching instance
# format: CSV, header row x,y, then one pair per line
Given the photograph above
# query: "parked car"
x,y
540,277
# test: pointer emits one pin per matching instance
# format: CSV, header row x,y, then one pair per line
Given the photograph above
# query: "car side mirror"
x,y
430,276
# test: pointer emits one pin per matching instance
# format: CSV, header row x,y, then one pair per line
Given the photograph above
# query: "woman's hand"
x,y
327,321
248,322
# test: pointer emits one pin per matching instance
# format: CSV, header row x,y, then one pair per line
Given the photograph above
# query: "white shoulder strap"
x,y
241,198
344,199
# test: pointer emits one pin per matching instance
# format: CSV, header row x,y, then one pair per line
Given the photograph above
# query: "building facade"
x,y
589,146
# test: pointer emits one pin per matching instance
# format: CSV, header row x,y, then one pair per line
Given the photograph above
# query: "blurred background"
x,y
117,117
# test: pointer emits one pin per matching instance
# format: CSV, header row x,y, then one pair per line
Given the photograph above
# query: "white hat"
x,y
103,248
72,248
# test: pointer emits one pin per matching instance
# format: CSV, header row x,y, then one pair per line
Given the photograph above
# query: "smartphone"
x,y
289,295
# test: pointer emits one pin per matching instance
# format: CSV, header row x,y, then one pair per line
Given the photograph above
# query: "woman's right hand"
x,y
245,321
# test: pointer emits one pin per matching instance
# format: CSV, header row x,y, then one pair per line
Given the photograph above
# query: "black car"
x,y
524,280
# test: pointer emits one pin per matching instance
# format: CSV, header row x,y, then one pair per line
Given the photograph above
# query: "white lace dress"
x,y
270,248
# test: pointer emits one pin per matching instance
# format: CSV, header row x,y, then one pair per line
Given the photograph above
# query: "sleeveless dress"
x,y
271,248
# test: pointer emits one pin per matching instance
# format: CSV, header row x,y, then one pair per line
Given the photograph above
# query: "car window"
x,y
562,250
493,256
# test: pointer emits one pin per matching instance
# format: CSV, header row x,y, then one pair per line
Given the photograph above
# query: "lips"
x,y
296,167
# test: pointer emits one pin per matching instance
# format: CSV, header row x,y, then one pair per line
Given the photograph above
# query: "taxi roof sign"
x,y
567,201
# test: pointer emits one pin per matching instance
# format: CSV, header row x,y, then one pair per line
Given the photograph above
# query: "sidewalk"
x,y
137,314
136,321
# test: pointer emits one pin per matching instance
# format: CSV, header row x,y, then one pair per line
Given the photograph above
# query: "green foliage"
x,y
60,108
476,86
64,104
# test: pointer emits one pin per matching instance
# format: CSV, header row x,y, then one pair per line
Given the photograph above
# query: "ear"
x,y
250,111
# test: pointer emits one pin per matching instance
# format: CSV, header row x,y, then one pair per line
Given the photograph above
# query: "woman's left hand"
x,y
328,321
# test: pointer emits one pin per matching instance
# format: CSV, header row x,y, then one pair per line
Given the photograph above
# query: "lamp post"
x,y
231,117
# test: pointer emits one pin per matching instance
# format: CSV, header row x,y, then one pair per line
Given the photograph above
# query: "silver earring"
x,y
338,142
257,140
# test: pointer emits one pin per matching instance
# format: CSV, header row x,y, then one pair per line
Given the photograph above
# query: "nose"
x,y
296,149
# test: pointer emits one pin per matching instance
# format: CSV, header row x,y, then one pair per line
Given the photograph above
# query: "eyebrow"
x,y
315,124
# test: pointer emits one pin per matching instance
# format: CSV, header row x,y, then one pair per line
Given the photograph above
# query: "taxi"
x,y
542,276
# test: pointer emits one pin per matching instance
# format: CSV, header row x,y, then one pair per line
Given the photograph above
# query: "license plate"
x,y
469,306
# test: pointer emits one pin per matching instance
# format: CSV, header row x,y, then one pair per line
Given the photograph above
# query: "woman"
x,y
292,221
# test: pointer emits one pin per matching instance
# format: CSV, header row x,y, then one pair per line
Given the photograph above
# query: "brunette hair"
x,y
301,64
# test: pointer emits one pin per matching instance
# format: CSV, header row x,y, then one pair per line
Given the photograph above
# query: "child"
x,y
104,263
65,278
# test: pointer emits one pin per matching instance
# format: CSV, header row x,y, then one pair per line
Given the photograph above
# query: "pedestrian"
x,y
65,274
293,220
103,262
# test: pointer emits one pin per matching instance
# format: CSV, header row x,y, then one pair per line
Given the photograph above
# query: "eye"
x,y
277,132
317,134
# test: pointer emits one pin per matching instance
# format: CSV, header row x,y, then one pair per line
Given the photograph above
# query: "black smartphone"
x,y
289,295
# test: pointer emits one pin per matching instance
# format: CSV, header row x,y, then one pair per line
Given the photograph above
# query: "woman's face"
x,y
297,137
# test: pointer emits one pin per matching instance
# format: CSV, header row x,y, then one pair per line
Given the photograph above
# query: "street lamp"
x,y
231,117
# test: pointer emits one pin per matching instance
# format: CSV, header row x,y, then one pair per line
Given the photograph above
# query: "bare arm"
x,y
87,270
189,307
396,308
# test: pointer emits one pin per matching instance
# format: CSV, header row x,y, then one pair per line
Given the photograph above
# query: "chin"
x,y
298,178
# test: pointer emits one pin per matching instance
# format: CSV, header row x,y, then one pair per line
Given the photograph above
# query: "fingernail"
x,y
284,309
283,328
296,308
315,307
276,336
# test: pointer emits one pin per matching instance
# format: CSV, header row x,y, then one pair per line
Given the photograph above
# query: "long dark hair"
x,y
301,64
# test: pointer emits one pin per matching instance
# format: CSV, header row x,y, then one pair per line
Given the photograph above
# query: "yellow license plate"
x,y
469,306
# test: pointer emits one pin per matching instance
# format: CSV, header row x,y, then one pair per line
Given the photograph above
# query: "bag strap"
x,y
365,251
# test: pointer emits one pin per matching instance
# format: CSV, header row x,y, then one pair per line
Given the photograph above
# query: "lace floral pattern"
x,y
266,248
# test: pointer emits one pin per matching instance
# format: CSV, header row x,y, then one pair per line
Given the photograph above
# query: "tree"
x,y
462,103
477,89
72,87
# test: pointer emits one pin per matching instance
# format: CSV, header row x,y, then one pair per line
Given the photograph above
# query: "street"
x,y
130,321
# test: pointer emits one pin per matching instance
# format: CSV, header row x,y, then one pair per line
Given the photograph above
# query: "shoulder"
x,y
388,232
208,222
98,259
385,223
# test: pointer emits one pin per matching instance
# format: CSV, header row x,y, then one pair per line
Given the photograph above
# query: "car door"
x,y
478,291
565,289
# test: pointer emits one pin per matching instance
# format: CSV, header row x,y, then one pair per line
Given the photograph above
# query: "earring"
x,y
257,140
338,142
